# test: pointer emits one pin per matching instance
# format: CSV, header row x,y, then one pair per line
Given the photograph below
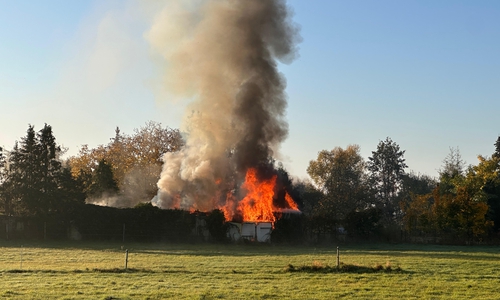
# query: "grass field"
x,y
204,271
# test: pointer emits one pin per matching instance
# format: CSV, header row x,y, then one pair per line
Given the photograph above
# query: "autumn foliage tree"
x,y
419,218
339,176
457,209
460,217
135,160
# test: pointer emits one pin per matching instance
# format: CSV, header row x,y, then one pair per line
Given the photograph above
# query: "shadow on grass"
x,y
239,250
450,254
111,271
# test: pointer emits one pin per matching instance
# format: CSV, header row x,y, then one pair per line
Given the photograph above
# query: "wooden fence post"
x,y
338,258
126,259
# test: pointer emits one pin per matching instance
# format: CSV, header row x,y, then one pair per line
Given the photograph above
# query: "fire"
x,y
290,202
230,207
258,203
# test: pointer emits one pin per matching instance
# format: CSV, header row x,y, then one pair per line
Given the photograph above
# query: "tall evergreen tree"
x,y
49,169
11,195
34,180
497,148
103,182
2,181
387,166
70,193
452,172
2,167
26,173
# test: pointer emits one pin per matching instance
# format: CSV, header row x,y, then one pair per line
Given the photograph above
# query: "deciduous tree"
x,y
135,160
340,175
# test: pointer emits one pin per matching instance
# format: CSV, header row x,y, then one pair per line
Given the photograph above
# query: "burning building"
x,y
223,56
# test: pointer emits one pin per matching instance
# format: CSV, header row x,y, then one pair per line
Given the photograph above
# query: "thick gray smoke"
x,y
223,55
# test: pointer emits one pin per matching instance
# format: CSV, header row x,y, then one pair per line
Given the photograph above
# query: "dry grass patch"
x,y
318,267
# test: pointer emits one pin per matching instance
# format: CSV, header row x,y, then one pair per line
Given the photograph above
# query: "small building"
x,y
250,231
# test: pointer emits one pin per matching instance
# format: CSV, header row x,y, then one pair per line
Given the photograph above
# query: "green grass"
x,y
159,271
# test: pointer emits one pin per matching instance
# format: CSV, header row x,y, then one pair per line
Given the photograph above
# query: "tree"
x,y
307,196
103,182
452,171
148,144
25,178
419,217
453,164
387,166
217,226
462,209
49,168
10,196
460,216
340,175
482,181
71,193
136,160
2,165
415,185
33,175
3,174
497,148
364,223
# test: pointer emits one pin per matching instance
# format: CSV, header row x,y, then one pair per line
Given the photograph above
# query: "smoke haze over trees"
x,y
462,205
135,162
223,56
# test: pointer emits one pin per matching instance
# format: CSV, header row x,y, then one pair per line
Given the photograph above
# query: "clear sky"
x,y
425,73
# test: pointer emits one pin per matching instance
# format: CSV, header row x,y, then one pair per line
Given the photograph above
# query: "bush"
x,y
216,223
288,229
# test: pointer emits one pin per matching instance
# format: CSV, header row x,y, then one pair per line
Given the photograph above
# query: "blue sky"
x,y
425,73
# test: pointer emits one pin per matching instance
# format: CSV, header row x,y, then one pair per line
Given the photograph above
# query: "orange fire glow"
x,y
229,207
290,202
257,206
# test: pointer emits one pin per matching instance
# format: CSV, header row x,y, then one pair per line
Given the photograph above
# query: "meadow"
x,y
73,270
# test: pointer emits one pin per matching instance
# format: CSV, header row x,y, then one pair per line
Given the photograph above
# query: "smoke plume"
x,y
223,54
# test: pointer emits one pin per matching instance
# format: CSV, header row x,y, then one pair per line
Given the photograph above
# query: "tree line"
x,y
347,196
377,198
40,187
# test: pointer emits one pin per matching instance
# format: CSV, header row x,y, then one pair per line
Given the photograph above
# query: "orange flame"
x,y
258,206
258,202
229,208
290,202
